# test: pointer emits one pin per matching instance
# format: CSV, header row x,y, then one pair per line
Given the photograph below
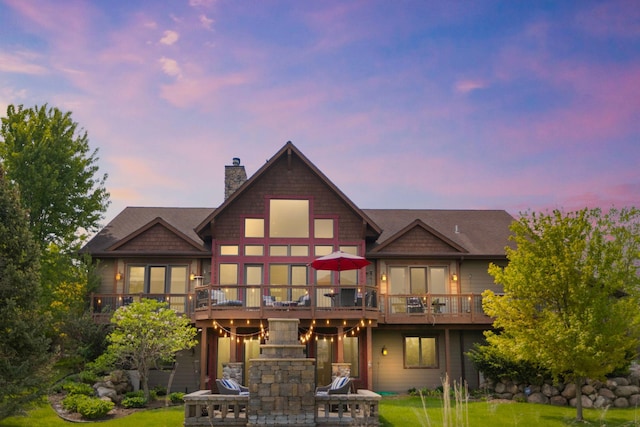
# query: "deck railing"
x,y
211,301
202,408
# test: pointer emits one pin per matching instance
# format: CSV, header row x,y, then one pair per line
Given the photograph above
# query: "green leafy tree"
x,y
23,347
49,158
148,332
570,301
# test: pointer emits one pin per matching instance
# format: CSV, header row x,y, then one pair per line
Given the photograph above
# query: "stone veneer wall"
x,y
282,380
620,392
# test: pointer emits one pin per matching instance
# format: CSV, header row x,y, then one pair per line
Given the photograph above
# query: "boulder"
x,y
601,402
621,402
500,388
586,402
588,389
634,400
569,391
107,392
606,393
626,390
620,381
538,398
549,390
558,400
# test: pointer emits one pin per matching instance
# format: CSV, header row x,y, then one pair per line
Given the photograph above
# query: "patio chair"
x,y
340,385
304,301
347,297
414,305
229,386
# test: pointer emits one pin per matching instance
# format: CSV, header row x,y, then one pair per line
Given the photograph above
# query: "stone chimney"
x,y
234,177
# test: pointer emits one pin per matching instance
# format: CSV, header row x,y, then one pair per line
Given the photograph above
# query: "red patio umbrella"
x,y
339,261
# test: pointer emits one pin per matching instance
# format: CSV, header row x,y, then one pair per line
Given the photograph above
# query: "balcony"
x,y
307,302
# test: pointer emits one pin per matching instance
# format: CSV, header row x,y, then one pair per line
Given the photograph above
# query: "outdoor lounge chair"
x,y
414,305
229,386
340,385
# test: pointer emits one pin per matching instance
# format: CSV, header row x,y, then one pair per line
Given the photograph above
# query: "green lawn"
x,y
394,411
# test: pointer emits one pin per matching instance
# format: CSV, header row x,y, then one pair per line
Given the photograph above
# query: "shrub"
x,y
134,402
160,390
489,361
93,408
88,377
176,397
139,393
78,388
70,403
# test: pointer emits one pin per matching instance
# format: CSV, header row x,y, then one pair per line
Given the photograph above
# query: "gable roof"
x,y
474,233
287,151
132,222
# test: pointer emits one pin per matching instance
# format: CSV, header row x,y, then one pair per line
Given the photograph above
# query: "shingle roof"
x,y
131,219
480,232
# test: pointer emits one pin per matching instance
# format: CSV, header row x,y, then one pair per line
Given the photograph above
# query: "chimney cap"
x,y
236,161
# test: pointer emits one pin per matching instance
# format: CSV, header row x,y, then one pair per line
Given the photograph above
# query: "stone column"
x,y
282,381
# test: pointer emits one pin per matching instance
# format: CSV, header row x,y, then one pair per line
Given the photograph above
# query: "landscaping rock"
x,y
538,398
601,402
588,389
621,402
549,390
626,390
606,393
634,400
569,391
558,401
586,402
107,392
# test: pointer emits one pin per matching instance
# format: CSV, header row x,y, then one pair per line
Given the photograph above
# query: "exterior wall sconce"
x,y
383,277
454,277
384,350
192,276
118,276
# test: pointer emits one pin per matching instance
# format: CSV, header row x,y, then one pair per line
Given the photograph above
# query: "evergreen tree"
x,y
24,353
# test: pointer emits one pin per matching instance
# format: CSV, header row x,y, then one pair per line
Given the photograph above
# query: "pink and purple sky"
x,y
412,104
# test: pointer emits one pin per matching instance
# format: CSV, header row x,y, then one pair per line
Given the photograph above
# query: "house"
x,y
403,321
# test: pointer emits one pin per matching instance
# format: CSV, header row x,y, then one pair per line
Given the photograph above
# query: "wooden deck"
x,y
213,302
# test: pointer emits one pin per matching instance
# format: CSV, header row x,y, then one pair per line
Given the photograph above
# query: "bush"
x,y
134,402
70,403
78,388
160,390
493,365
93,408
139,393
176,397
88,377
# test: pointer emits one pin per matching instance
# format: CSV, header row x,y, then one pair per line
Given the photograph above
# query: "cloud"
x,y
170,37
206,22
21,63
466,86
170,67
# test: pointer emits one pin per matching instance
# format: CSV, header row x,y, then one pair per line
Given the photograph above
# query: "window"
x,y
289,218
229,276
420,352
321,250
285,250
323,228
157,279
229,250
418,280
282,276
254,227
254,250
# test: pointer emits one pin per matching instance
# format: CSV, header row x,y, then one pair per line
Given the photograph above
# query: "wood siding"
x,y
157,238
419,241
474,277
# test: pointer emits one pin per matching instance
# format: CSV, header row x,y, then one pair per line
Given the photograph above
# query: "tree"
x,y
23,347
148,332
570,301
45,154
47,158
